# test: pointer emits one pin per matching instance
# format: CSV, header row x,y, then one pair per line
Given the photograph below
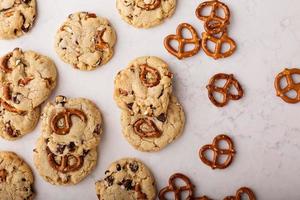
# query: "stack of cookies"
x,y
27,80
66,152
151,116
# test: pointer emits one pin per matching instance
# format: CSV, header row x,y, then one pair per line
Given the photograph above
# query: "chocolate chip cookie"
x,y
16,17
127,179
144,87
154,133
16,179
27,79
85,41
145,13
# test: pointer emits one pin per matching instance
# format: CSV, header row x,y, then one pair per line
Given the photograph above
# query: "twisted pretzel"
x,y
149,6
217,151
10,108
213,23
153,132
291,85
219,41
180,52
67,122
240,192
149,76
225,90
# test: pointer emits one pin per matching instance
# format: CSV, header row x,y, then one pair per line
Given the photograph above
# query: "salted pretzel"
x,y
239,194
218,53
291,85
217,151
149,6
180,53
144,122
225,90
213,23
149,76
67,122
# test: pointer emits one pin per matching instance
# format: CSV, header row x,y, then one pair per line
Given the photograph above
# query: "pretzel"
x,y
219,41
149,76
239,194
3,63
153,132
139,194
3,175
180,53
64,165
225,90
100,44
217,151
213,23
291,85
25,81
149,6
66,117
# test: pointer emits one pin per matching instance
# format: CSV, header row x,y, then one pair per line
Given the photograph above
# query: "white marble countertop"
x,y
264,128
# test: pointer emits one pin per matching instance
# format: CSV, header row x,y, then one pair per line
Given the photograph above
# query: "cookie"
x,y
145,13
16,179
63,168
154,133
14,123
26,79
144,87
127,179
85,41
71,121
16,17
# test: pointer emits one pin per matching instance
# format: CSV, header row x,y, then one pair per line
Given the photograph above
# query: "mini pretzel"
x,y
138,128
225,90
152,80
217,151
242,191
3,63
10,108
213,23
291,85
219,41
180,52
100,44
66,117
64,165
149,6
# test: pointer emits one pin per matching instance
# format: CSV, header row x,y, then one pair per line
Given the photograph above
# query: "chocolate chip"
x,y
106,172
134,167
60,148
130,106
109,180
71,146
97,129
23,179
127,183
118,167
85,152
162,117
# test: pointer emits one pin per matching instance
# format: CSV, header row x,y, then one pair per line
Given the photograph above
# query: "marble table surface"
x,y
264,128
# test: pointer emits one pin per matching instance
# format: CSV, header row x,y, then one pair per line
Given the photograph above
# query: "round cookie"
x,y
144,87
126,179
73,121
16,179
154,133
85,41
14,123
63,169
145,13
16,17
26,79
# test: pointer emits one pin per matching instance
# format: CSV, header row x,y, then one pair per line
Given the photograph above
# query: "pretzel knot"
x,y
66,163
149,76
146,128
217,151
213,23
63,129
225,90
239,194
180,52
219,42
291,85
149,6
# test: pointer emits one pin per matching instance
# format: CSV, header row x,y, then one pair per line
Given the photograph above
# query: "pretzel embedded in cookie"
x,y
240,193
291,85
146,128
100,44
3,175
180,53
67,122
217,151
4,61
149,76
152,5
225,90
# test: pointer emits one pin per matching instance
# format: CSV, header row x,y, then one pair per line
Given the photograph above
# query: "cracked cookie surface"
x,y
85,41
63,168
26,79
16,17
71,121
145,13
169,127
126,179
16,179
144,87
